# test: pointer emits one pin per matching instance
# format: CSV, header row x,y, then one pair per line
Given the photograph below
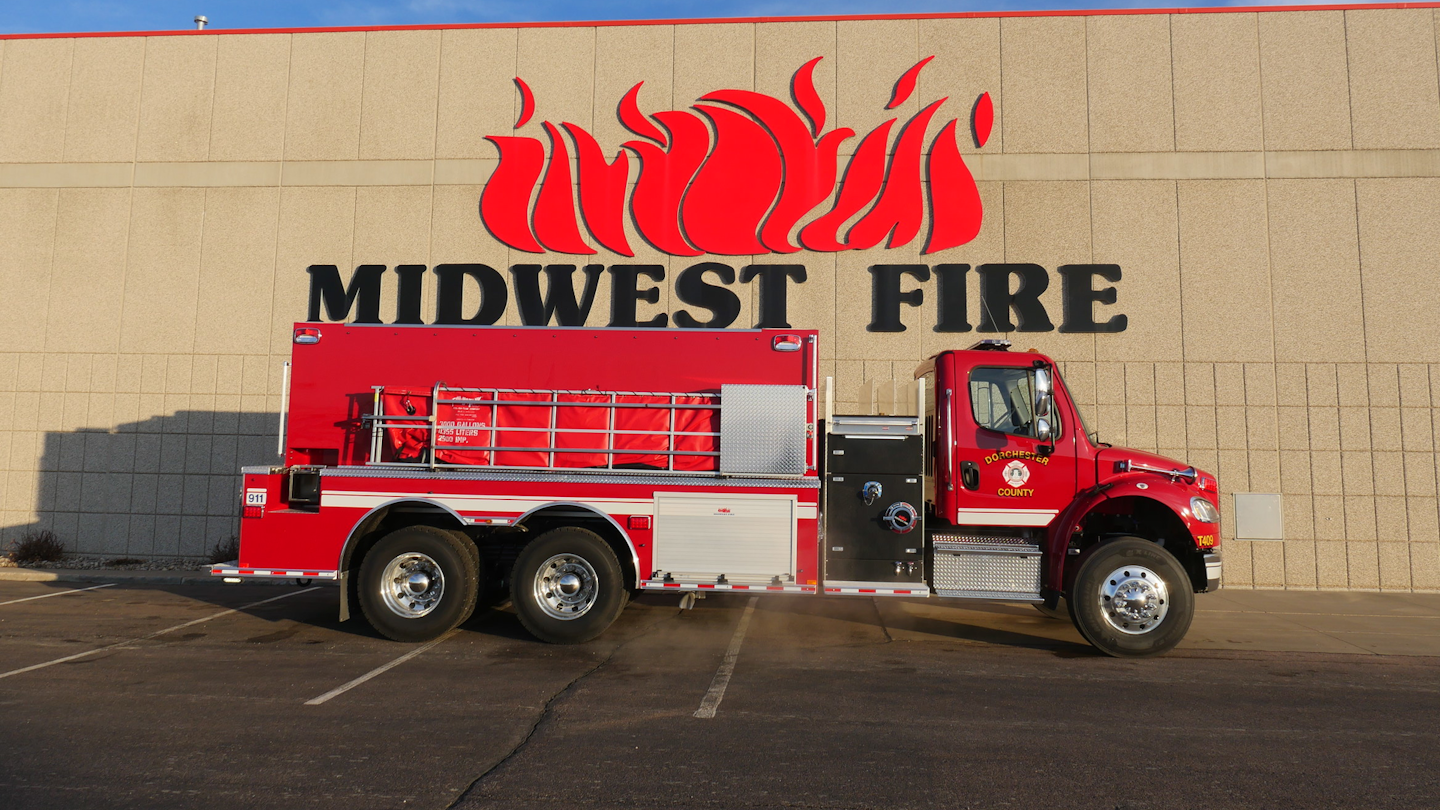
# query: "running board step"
x,y
976,566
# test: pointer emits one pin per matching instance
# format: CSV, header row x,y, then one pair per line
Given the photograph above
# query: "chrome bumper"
x,y
1212,572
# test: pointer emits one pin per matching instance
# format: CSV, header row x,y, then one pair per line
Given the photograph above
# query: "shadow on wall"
x,y
168,486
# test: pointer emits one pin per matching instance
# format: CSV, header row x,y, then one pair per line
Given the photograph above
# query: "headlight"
x,y
1204,511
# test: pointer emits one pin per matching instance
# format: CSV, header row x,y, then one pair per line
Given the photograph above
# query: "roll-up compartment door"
x,y
743,537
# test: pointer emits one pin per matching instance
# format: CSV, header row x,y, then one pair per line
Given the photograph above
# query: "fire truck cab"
x,y
429,469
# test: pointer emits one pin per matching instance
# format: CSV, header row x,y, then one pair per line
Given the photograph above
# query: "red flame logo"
x,y
735,175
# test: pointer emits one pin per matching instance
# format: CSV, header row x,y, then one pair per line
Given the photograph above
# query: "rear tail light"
x,y
307,335
786,343
253,512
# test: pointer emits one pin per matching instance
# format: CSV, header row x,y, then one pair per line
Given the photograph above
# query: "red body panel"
x,y
332,391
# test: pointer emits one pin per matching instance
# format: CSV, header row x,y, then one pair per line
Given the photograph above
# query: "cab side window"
x,y
1002,399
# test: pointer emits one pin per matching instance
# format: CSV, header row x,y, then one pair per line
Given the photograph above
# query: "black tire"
x,y
554,614
1153,621
448,599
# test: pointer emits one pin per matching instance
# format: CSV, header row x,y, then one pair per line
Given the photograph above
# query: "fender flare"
x,y
1058,539
615,524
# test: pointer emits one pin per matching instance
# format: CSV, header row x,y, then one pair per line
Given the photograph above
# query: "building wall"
x,y
1268,182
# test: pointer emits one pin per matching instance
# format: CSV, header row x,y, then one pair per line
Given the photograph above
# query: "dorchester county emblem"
x,y
1016,473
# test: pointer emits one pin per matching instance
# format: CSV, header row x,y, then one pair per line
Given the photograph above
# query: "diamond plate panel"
x,y
762,429
989,573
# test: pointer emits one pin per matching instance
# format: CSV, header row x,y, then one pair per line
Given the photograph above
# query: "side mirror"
x,y
1042,429
1043,392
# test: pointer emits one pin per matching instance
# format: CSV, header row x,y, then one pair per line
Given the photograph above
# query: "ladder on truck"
x,y
556,430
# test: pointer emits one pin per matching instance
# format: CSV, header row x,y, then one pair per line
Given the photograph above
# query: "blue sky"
x,y
29,16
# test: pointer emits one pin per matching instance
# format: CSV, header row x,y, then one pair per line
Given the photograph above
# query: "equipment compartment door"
x,y
742,537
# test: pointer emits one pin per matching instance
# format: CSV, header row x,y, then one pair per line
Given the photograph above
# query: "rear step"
x,y
986,566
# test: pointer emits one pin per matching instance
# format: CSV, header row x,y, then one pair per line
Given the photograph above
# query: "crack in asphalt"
x,y
875,603
545,711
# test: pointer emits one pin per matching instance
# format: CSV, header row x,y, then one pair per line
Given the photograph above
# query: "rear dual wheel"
x,y
418,583
567,587
1131,598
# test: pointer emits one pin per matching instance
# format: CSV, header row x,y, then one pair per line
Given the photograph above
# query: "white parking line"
x,y
155,634
727,667
59,593
342,689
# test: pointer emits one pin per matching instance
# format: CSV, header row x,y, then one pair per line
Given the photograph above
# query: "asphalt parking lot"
x,y
254,696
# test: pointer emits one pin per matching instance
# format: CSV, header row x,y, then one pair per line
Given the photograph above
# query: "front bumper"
x,y
1212,572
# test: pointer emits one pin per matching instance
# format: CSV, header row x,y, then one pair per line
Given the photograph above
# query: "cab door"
x,y
1006,474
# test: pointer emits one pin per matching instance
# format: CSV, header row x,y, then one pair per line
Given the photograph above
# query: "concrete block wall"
x,y
1266,180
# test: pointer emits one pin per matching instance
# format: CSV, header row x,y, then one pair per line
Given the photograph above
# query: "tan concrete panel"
x,y
477,95
237,271
1130,87
203,175
162,270
780,50
1049,224
398,108
1135,227
1269,563
1299,564
625,56
1399,238
67,175
317,226
1239,572
1303,76
1217,82
177,94
1393,96
967,63
1315,270
1044,86
33,98
1224,272
104,104
853,311
27,230
392,227
559,66
252,78
89,270
871,55
712,57
322,119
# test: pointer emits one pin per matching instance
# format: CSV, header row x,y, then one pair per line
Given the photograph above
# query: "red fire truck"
x,y
431,468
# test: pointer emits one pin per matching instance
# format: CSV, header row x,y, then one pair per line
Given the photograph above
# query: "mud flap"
x,y
344,596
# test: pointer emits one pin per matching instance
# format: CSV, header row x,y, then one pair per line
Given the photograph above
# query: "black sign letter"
x,y
363,293
450,294
996,300
624,293
951,315
690,287
774,302
1078,295
559,300
407,303
886,298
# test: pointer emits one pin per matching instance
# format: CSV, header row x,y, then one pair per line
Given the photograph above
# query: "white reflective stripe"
x,y
880,591
485,503
1005,517
508,504
270,572
661,585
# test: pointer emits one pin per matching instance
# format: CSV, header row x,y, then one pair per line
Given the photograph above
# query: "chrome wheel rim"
x,y
1134,600
566,586
412,585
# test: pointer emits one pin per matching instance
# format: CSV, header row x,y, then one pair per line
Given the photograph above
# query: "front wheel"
x,y
1131,599
567,587
418,583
